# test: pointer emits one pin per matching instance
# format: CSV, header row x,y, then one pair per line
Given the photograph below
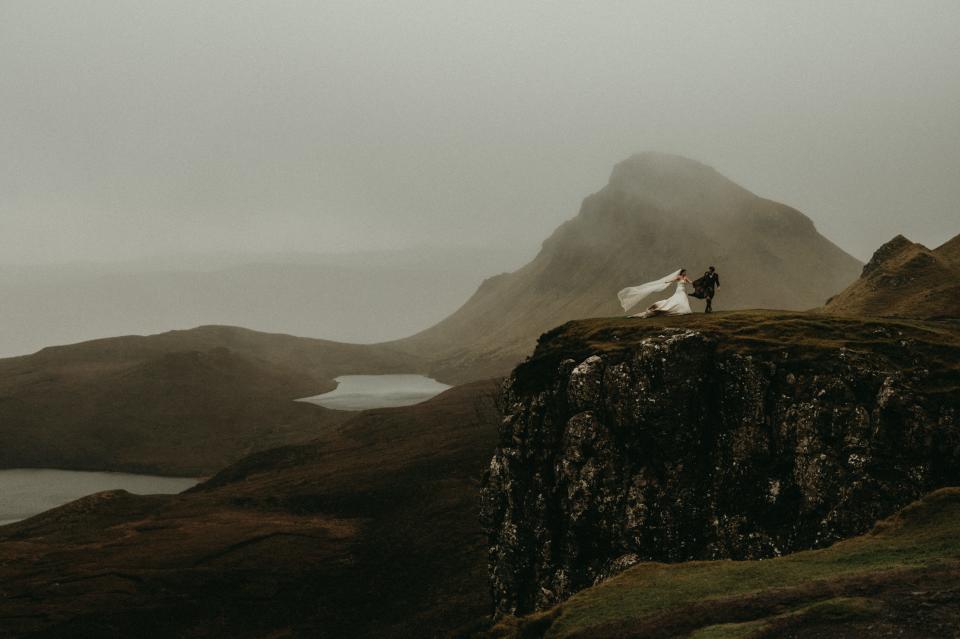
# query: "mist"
x,y
132,130
363,297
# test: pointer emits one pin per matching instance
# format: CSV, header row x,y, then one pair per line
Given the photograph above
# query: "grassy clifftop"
x,y
740,435
911,344
901,579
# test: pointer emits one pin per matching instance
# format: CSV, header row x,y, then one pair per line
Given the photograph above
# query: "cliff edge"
x,y
738,435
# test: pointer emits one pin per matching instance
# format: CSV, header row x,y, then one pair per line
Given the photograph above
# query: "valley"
x,y
181,403
369,531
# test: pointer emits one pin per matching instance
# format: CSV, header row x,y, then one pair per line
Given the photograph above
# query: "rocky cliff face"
x,y
738,436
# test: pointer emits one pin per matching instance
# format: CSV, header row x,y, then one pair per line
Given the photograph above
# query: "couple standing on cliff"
x,y
677,304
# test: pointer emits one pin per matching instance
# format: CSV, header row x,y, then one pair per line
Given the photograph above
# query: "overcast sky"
x,y
142,128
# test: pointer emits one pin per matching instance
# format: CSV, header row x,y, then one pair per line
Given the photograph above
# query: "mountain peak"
x,y
675,182
646,161
903,279
885,252
950,250
659,212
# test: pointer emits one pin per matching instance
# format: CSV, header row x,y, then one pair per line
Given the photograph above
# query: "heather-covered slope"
x,y
905,279
179,403
657,213
370,531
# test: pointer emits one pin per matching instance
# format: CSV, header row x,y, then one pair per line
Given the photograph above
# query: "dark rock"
x,y
678,447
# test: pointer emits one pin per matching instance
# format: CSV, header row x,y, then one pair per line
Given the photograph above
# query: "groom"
x,y
705,287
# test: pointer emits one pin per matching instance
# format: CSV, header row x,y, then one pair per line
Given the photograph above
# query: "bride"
x,y
676,304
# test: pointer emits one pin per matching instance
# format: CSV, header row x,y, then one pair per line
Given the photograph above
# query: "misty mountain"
x,y
658,213
354,297
905,279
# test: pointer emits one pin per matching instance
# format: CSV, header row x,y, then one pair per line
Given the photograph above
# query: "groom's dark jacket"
x,y
704,286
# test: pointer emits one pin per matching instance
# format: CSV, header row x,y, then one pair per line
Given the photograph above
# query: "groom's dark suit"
x,y
705,287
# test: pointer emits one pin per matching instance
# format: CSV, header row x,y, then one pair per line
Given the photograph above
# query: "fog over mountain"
x,y
366,296
131,129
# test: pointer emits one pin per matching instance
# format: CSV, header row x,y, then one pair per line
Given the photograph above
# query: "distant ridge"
x,y
905,279
658,212
184,402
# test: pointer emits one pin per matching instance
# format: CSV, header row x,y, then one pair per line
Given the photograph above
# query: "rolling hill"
x,y
371,530
178,403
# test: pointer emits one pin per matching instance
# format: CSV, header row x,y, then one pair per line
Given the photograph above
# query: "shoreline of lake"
x,y
363,392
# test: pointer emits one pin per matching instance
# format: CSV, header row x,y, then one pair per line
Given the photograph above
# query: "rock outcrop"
x,y
737,436
905,279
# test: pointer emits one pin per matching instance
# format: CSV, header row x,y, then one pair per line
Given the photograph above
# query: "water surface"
x,y
360,392
24,492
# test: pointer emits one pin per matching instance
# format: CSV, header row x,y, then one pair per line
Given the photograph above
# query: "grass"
x,y
924,535
747,630
908,344
828,611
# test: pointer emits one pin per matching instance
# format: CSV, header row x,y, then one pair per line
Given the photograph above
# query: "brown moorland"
x,y
178,403
371,531
905,279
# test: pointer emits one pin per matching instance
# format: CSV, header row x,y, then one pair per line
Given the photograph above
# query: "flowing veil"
x,y
630,296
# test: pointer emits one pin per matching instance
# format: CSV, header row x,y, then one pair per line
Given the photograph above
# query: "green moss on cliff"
x,y
838,609
920,544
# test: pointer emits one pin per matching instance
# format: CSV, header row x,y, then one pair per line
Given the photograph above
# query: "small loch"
x,y
360,392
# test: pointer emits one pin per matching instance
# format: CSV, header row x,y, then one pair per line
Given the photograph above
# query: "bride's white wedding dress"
x,y
676,304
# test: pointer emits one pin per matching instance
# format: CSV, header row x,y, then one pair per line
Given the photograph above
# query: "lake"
x,y
24,492
360,392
